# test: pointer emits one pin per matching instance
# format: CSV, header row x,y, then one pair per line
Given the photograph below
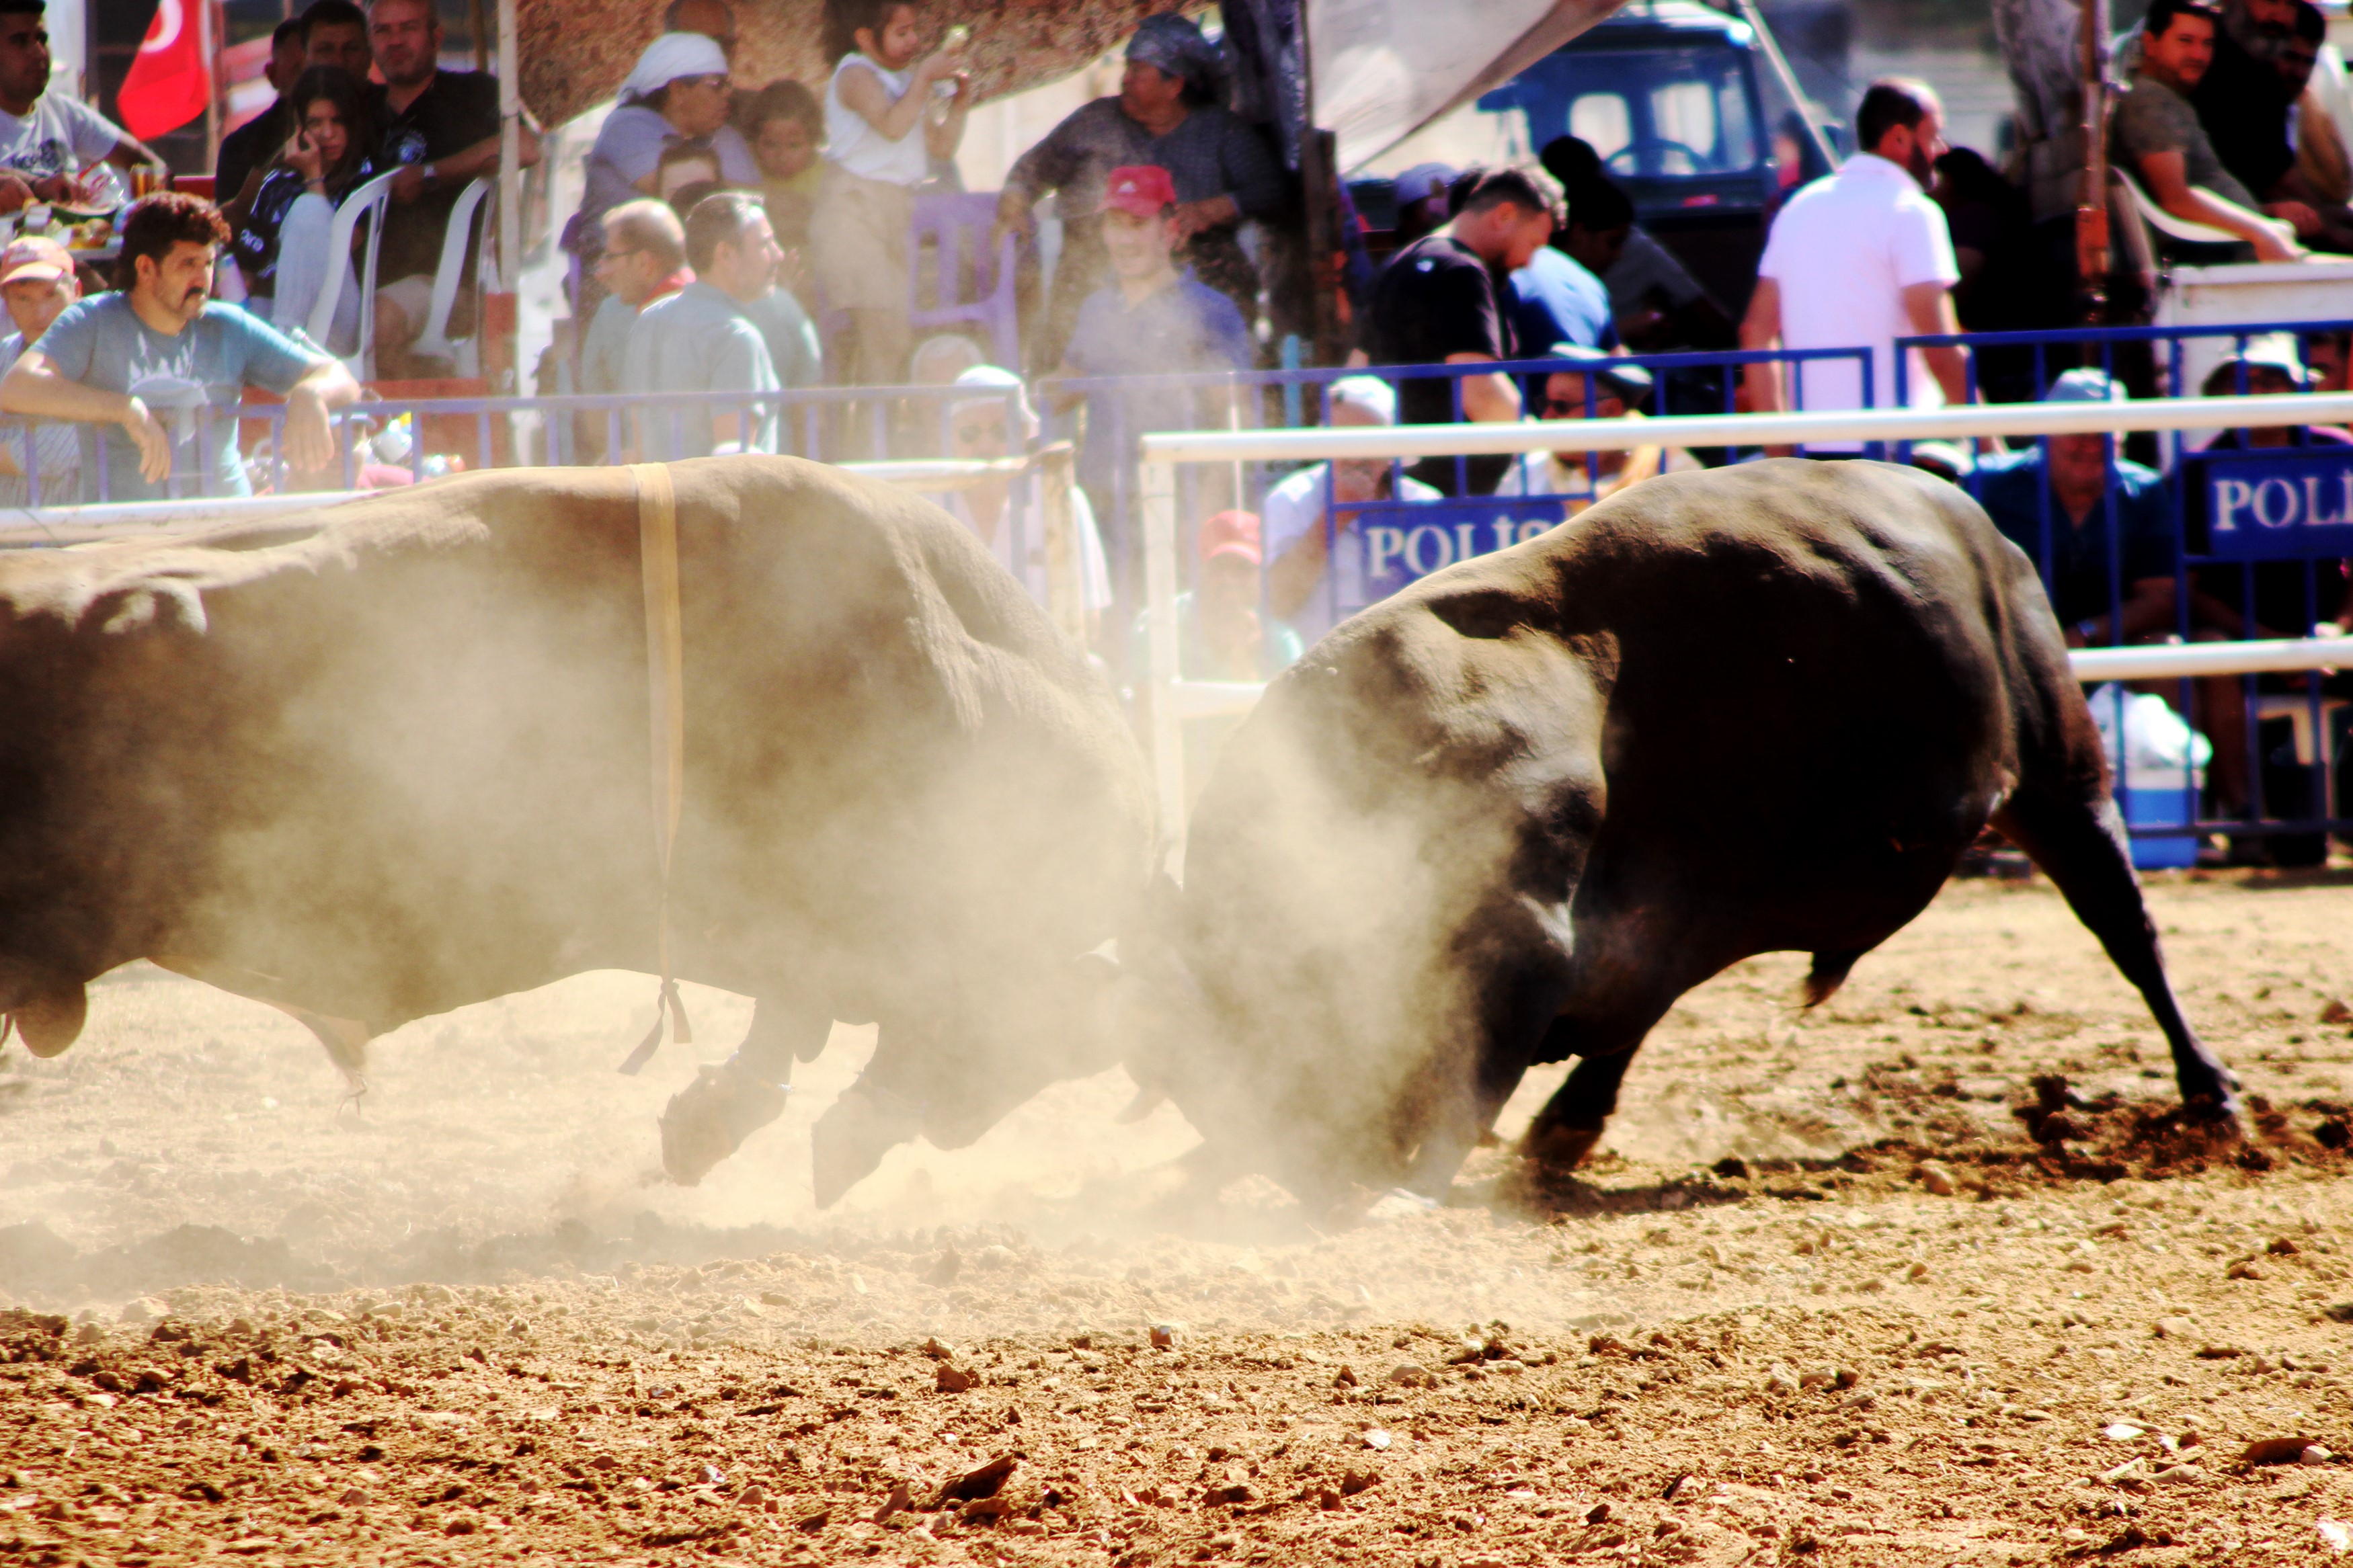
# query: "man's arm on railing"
x,y
33,387
1760,332
1489,399
310,440
2168,175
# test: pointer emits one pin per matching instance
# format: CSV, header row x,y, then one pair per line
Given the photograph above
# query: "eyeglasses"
x,y
716,83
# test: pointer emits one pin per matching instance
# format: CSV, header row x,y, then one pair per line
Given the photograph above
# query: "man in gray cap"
x,y
1591,385
1169,111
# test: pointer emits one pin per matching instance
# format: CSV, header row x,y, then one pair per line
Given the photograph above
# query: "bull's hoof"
x,y
849,1140
708,1119
1556,1151
48,1025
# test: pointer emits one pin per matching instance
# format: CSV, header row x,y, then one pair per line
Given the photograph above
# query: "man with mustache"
x,y
167,364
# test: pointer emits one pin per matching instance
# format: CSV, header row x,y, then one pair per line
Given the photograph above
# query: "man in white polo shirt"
x,y
1857,261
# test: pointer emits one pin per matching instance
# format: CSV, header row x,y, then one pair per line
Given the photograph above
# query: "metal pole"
x,y
1788,80
1157,482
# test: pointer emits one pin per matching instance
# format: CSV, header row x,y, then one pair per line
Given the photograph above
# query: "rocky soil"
x,y
1926,1276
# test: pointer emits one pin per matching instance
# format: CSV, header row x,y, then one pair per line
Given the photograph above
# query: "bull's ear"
x,y
53,1020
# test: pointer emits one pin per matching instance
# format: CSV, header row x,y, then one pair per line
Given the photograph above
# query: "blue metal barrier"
x,y
2224,537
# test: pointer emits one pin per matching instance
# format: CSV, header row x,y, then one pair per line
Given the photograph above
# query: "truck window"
x,y
1602,121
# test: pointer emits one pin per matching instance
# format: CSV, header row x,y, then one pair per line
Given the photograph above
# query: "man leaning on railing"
x,y
162,360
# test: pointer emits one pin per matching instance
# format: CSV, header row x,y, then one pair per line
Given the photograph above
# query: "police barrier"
x,y
2237,528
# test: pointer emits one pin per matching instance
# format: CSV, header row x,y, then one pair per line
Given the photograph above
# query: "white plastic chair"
x,y
2181,231
371,200
471,212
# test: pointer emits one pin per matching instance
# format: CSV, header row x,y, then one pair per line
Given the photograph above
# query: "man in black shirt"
x,y
2240,100
441,131
1443,299
255,143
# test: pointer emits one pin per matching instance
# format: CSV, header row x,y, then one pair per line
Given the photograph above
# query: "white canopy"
x,y
1384,68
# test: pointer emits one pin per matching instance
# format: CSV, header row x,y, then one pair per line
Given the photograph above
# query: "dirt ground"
x,y
1868,1286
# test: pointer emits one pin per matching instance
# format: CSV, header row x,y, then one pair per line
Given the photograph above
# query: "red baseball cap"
x,y
1139,190
1232,533
34,256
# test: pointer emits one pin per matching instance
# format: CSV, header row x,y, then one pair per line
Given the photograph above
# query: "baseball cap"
x,y
34,256
1232,533
1368,395
1422,182
2083,384
2264,351
1631,381
1139,190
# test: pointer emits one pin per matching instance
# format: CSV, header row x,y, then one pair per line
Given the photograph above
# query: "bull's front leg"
x,y
728,1101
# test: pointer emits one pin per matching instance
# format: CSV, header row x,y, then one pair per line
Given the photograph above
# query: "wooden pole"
x,y
2092,205
207,42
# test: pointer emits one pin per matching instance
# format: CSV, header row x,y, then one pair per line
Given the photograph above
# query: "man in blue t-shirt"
x,y
2070,490
159,357
1150,320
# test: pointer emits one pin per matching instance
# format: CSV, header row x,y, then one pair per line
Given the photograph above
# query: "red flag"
x,y
170,81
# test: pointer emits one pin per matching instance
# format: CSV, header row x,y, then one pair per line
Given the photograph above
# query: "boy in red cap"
x,y
38,282
1150,320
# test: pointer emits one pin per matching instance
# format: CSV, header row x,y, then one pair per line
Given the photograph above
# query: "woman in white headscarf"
x,y
677,97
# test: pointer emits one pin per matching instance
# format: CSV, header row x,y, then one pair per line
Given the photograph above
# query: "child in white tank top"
x,y
880,137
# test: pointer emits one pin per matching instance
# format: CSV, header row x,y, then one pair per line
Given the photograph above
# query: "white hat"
x,y
1368,395
1424,180
670,57
998,380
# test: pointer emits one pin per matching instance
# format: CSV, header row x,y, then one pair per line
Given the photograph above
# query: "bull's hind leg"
x,y
2080,845
727,1102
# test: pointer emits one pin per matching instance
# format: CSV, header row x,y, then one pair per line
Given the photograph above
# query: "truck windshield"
x,y
1656,113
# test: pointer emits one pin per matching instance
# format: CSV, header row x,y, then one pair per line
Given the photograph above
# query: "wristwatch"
x,y
431,175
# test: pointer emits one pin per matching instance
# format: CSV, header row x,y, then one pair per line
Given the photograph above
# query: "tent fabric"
x,y
1384,68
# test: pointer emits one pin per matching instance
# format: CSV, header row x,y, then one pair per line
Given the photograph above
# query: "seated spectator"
x,y
675,100
2063,485
1318,575
1595,389
254,144
1445,299
2264,599
784,125
157,353
2327,353
1420,206
46,137
702,339
1150,320
2156,135
2321,175
1221,633
279,237
36,282
440,131
2239,97
978,430
643,259
335,36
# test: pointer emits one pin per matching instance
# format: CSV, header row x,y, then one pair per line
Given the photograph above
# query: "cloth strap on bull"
x,y
666,681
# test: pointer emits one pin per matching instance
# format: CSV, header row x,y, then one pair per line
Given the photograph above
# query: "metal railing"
x,y
1173,699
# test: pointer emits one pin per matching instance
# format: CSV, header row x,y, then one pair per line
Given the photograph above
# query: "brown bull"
x,y
381,761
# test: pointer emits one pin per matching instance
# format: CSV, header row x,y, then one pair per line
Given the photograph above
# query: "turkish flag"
x,y
170,81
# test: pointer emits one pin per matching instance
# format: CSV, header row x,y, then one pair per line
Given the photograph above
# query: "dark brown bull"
x,y
1510,815
378,761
